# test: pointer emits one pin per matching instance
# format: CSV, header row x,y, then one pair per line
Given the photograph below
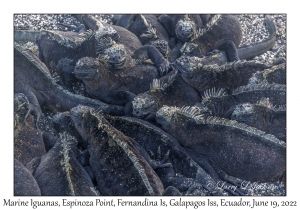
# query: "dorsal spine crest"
x,y
126,149
66,142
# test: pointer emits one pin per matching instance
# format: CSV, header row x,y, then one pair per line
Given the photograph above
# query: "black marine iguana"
x,y
263,116
240,150
62,49
169,90
185,173
221,104
217,36
24,182
273,75
148,30
28,140
117,79
125,37
59,173
118,164
31,78
200,74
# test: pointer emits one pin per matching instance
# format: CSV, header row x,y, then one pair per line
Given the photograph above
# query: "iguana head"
x,y
107,31
84,122
186,64
162,46
172,118
143,105
86,68
116,56
166,117
244,113
186,30
259,113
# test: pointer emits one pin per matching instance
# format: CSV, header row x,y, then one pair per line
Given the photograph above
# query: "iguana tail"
x,y
27,35
259,48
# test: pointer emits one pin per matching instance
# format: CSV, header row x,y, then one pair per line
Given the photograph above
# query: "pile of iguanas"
x,y
172,106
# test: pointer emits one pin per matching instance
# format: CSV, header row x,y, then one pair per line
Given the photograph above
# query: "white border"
x,y
152,6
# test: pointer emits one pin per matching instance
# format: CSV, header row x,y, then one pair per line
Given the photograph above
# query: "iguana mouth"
x,y
120,63
185,38
81,74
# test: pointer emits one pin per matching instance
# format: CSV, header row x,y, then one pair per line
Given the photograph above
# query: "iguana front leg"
x,y
150,52
229,47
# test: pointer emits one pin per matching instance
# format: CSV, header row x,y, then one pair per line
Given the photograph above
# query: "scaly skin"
x,y
31,78
276,74
219,30
240,150
119,167
140,25
24,183
147,29
202,73
263,116
59,172
180,27
28,140
127,38
221,104
152,139
115,86
169,90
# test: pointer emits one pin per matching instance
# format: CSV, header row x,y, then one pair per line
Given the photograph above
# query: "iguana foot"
x,y
159,163
164,67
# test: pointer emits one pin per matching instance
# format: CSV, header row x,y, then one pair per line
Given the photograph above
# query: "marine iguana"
x,y
220,103
24,182
263,116
147,29
203,73
210,37
31,78
59,172
127,38
28,140
118,57
142,24
62,123
117,80
185,168
275,74
118,164
169,90
240,150
181,28
62,49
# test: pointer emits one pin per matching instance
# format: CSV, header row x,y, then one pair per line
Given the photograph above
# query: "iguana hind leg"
x,y
35,108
